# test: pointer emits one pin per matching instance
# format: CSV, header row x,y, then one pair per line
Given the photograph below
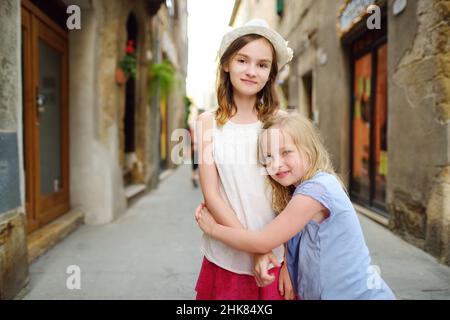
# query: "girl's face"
x,y
284,162
249,68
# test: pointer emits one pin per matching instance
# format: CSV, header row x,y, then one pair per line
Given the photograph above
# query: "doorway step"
x,y
134,191
371,215
46,237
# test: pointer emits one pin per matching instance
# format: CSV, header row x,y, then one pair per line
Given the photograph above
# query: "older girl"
x,y
231,181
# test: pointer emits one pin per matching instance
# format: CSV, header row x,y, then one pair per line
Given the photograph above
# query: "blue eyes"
x,y
284,153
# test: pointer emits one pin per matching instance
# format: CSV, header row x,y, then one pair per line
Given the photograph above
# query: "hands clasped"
x,y
204,219
207,223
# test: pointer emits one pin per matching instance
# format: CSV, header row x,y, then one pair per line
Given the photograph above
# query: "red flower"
x,y
130,49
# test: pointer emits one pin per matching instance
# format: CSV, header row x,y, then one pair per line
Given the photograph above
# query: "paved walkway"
x,y
152,252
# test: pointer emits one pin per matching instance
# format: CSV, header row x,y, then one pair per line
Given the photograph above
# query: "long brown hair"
x,y
266,99
308,141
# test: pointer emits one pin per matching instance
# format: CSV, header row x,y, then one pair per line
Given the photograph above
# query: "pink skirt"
x,y
216,283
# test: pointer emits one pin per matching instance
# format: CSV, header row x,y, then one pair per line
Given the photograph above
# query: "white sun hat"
x,y
260,27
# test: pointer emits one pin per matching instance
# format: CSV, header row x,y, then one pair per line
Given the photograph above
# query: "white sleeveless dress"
x,y
243,187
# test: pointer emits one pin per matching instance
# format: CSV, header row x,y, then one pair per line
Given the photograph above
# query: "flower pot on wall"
x,y
121,78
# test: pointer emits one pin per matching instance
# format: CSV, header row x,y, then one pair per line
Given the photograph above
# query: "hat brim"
x,y
284,53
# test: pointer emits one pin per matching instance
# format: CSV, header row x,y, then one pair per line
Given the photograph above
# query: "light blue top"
x,y
330,260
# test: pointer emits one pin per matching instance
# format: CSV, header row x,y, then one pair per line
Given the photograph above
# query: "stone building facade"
x,y
377,85
77,142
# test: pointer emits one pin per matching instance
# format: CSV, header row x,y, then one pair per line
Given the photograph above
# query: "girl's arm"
x,y
299,211
209,177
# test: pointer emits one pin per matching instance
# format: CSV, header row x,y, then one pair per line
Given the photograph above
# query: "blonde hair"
x,y
266,100
307,140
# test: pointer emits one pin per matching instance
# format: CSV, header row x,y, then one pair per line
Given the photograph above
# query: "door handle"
x,y
40,102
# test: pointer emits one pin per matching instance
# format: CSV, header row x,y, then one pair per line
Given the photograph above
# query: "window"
x,y
280,8
307,81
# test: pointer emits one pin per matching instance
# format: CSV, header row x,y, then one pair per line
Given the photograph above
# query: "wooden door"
x,y
45,116
361,126
369,160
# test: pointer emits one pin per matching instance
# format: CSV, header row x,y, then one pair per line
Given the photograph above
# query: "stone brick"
x,y
438,225
441,88
13,255
440,38
420,72
444,109
408,216
443,9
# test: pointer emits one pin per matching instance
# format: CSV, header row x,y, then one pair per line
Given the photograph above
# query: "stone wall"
x,y
419,105
418,99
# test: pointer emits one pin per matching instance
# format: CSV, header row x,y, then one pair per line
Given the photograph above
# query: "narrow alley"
x,y
101,100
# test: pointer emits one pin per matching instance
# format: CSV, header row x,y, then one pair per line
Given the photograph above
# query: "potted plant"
x,y
162,78
127,65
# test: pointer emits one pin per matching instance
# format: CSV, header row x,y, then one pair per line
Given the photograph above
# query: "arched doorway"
x,y
130,107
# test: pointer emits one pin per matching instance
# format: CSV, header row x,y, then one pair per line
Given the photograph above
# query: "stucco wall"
x,y
96,177
262,9
310,28
13,250
98,109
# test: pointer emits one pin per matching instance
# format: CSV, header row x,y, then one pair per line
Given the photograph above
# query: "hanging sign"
x,y
352,12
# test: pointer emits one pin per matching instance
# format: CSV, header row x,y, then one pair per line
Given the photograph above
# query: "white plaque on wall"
x,y
399,6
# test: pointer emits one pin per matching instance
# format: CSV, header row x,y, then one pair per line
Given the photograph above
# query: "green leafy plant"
x,y
187,109
162,78
128,62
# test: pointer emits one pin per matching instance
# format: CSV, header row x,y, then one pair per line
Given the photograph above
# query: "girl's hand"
x,y
285,284
261,266
205,220
198,210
